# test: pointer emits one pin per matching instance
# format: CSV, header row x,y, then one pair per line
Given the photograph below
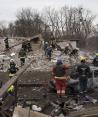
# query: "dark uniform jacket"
x,y
95,62
83,70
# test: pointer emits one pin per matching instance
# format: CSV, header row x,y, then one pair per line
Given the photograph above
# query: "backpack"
x,y
12,69
59,70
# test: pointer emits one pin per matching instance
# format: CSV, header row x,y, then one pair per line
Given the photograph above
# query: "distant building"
x,y
92,43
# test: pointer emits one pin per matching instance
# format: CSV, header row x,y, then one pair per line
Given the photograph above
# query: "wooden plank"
x,y
89,111
25,112
4,88
37,114
21,112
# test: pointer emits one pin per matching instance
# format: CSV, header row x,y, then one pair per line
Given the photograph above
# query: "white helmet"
x,y
12,60
46,42
67,45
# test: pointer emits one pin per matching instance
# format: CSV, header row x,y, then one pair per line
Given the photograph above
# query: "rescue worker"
x,y
83,71
10,90
29,48
22,56
45,47
24,46
12,63
66,50
74,52
60,77
49,52
95,60
13,69
6,43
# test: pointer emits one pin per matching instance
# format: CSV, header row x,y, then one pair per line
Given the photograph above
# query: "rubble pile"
x,y
42,63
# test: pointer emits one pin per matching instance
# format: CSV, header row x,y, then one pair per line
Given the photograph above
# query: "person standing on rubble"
x,y
24,45
95,60
29,48
6,43
49,52
83,71
12,69
45,47
22,56
59,72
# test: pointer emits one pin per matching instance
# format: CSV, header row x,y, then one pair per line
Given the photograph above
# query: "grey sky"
x,y
8,8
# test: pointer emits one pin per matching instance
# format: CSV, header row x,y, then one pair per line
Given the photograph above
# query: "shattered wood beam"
x,y
14,79
31,84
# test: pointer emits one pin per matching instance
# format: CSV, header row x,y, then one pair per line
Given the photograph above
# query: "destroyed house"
x,y
74,40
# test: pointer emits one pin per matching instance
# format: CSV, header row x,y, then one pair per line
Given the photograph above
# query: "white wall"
x,y
74,44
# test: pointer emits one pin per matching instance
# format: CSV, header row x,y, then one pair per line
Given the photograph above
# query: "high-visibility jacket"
x,y
11,88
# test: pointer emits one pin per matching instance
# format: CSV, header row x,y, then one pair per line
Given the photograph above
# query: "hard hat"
x,y
82,58
12,60
96,54
67,45
46,42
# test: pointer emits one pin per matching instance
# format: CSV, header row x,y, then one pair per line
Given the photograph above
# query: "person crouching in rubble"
x,y
13,69
83,71
10,90
22,56
59,72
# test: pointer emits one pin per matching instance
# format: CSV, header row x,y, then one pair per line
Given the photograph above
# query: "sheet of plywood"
x,y
37,114
21,112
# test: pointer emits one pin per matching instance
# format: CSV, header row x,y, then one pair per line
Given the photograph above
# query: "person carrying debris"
x,y
83,71
22,56
59,72
6,43
49,52
95,60
13,69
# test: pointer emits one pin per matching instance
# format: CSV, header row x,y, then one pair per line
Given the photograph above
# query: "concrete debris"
x,y
36,108
90,99
12,54
80,107
4,57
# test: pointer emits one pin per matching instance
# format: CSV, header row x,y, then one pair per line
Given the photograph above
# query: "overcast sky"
x,y
8,8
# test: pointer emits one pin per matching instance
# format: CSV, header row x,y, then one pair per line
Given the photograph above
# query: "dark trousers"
x,y
83,84
22,61
49,56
